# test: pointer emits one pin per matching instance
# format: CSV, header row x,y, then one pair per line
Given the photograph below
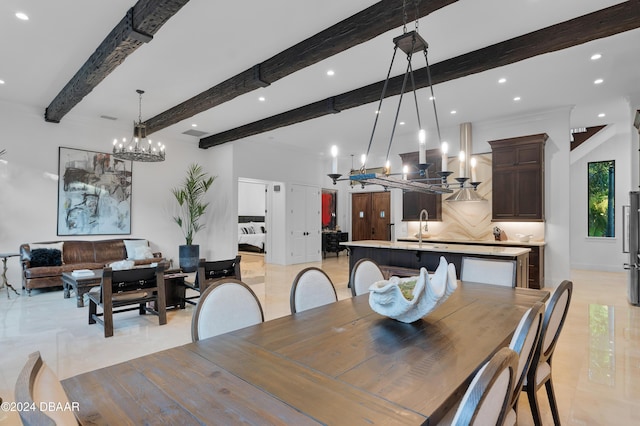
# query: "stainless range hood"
x,y
466,194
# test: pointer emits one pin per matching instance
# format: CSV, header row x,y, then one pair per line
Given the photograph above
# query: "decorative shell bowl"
x,y
387,298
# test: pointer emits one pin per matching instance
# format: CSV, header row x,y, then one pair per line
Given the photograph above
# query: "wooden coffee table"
x,y
80,285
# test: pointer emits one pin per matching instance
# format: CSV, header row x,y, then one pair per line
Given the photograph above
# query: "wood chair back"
x,y
539,373
137,286
488,271
523,343
311,288
365,272
210,270
37,384
226,305
486,400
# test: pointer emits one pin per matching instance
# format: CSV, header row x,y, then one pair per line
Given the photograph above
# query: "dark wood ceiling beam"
x,y
604,23
137,27
359,28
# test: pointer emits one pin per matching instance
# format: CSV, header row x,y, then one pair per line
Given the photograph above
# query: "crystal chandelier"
x,y
139,148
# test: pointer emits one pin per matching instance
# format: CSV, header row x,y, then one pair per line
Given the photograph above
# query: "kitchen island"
x,y
399,256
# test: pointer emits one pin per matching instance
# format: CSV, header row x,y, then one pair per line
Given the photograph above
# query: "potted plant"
x,y
191,207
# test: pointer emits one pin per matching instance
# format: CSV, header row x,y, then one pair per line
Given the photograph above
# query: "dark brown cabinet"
x,y
414,202
518,178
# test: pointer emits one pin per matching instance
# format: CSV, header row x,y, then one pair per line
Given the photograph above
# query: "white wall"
x,y
603,254
251,198
28,186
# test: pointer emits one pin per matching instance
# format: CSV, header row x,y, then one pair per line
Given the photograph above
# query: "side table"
x,y
5,283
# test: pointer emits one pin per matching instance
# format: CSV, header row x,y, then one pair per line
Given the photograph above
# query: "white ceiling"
x,y
207,42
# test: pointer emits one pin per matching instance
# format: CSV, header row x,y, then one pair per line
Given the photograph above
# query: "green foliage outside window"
x,y
601,182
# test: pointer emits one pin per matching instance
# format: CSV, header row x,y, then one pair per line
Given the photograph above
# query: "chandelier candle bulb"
x,y
422,146
334,164
387,167
405,171
473,163
461,158
445,159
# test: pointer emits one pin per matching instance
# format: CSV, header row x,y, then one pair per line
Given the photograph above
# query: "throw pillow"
x,y
45,257
132,245
57,246
143,253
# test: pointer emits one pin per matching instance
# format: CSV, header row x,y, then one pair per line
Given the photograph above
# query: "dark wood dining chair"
x,y
524,343
226,305
143,287
365,272
540,372
209,271
311,288
487,398
38,384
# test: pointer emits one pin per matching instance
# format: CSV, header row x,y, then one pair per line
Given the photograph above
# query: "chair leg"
x,y
535,407
552,402
107,313
92,311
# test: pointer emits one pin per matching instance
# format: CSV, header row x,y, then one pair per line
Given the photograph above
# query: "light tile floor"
x,y
596,366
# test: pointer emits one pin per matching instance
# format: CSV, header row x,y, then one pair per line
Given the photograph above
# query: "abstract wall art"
x,y
94,193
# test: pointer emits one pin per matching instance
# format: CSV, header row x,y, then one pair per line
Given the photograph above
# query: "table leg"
x,y
5,283
80,291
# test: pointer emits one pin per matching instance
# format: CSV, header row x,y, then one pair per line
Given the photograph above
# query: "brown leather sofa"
x,y
75,255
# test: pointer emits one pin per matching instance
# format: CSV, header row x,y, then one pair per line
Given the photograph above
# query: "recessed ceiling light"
x,y
516,99
330,73
596,56
401,123
598,81
1,81
432,98
502,80
602,115
22,16
262,99
454,112
377,112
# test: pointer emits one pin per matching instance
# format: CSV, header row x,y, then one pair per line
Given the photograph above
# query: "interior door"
x,y
298,223
360,216
380,216
370,216
313,225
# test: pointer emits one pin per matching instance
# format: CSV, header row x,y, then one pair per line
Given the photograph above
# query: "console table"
x,y
331,242
5,283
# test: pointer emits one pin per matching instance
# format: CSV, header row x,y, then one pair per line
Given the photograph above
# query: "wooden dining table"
x,y
339,364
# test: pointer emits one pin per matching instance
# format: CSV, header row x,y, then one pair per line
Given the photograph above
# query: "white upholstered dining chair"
x,y
311,288
524,343
488,271
36,384
226,305
365,272
539,373
487,399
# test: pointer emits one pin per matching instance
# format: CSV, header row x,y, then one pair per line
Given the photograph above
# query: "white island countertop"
x,y
472,249
438,240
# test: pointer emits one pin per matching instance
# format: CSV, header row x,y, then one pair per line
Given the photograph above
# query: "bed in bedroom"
x,y
251,233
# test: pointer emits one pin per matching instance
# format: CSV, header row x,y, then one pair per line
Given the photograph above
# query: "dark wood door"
x,y
361,216
381,215
371,216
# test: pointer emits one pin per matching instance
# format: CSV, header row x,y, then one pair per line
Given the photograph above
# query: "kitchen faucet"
x,y
424,213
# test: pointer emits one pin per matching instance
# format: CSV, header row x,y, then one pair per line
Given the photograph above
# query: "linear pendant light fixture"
x,y
417,180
